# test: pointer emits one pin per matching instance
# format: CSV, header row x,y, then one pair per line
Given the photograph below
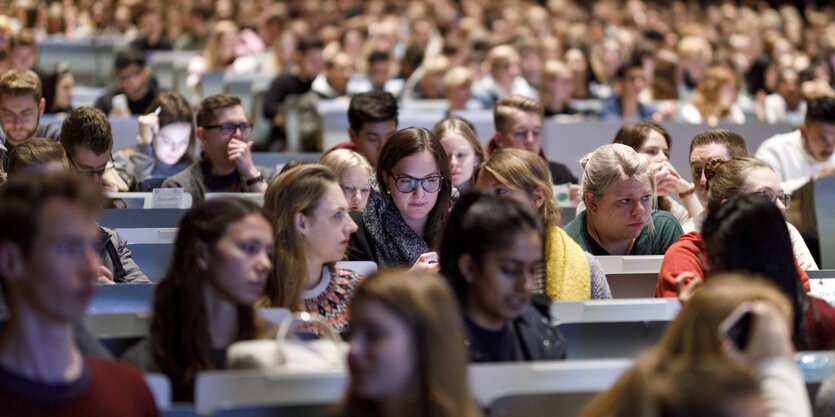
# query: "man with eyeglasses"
x,y
806,153
21,107
87,141
226,163
135,87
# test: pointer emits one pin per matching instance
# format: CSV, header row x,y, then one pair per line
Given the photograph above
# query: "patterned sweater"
x,y
332,295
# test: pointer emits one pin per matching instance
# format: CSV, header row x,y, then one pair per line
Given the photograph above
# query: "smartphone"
x,y
737,326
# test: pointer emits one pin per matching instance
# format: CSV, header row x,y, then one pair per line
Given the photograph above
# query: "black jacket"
x,y
539,341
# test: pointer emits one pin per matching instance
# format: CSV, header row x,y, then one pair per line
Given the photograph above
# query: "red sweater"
x,y
820,325
689,254
105,389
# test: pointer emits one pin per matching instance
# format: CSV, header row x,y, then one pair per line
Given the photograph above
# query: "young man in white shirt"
x,y
806,153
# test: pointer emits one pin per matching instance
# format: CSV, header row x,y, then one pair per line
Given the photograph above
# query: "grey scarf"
x,y
394,243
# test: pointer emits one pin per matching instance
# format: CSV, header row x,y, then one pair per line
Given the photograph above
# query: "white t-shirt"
x,y
794,166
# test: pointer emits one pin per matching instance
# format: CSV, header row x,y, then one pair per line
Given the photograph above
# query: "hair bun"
x,y
711,169
585,160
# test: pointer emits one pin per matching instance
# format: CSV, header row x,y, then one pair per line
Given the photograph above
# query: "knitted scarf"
x,y
567,274
394,243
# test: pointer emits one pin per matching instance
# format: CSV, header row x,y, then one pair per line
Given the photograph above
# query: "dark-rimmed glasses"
x,y
406,184
227,129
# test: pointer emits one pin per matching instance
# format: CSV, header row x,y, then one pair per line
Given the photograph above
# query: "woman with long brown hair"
x,y
714,100
407,355
308,209
223,256
408,204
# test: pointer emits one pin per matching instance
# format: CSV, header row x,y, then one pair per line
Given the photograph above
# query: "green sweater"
x,y
667,231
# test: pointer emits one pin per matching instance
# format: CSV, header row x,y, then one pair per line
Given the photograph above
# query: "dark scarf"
x,y
394,243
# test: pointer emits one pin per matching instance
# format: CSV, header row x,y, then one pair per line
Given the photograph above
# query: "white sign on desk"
x,y
823,288
170,198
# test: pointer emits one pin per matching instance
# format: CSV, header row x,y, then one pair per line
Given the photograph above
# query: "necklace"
x,y
596,236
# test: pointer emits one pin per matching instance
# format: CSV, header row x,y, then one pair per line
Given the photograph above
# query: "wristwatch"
x,y
258,178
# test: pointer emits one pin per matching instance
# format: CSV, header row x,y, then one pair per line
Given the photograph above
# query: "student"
x,y
518,123
570,273
408,205
491,253
806,153
307,60
714,100
57,90
504,78
748,234
21,108
218,55
372,119
620,217
407,357
624,103
652,140
48,267
333,82
226,163
87,141
38,156
557,90
135,87
166,141
694,337
354,172
462,148
712,143
223,253
725,180
309,211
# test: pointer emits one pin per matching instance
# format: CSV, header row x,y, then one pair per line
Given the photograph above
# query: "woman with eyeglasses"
x,y
408,204
685,259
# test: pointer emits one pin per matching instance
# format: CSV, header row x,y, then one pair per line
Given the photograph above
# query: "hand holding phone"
x,y
756,331
737,326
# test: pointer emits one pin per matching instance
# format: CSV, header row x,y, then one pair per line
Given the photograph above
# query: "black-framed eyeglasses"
x,y
406,184
92,172
785,198
227,129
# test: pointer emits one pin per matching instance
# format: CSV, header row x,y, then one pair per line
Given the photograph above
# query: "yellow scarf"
x,y
567,274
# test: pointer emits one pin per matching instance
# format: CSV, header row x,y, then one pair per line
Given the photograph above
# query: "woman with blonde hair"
x,y
353,171
570,273
407,357
309,211
557,89
697,335
653,141
462,148
620,216
220,55
714,100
